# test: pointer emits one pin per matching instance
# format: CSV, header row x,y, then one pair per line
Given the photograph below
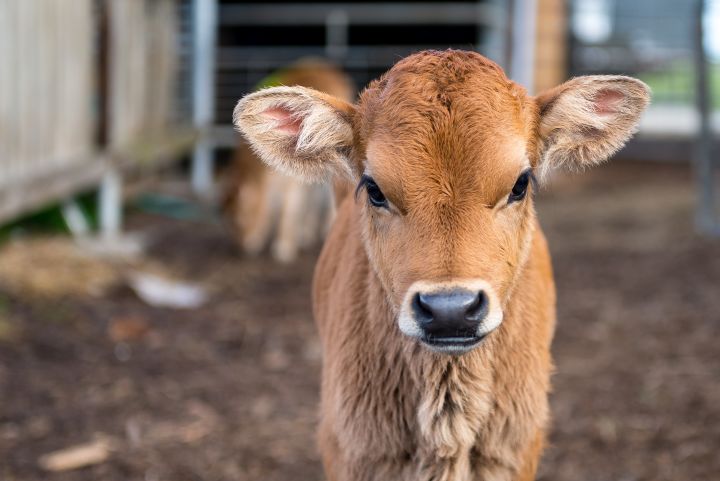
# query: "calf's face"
x,y
445,152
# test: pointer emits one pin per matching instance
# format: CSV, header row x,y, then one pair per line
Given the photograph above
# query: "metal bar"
x,y
202,168
110,204
707,216
204,38
439,13
522,57
358,56
491,39
336,34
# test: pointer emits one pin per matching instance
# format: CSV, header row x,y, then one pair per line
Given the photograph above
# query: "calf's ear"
x,y
298,131
587,119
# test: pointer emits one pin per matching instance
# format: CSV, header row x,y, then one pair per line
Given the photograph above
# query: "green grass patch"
x,y
676,84
50,220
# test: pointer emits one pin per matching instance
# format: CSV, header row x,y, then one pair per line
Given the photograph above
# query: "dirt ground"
x,y
229,391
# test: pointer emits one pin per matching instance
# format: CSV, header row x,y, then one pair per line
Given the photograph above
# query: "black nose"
x,y
454,313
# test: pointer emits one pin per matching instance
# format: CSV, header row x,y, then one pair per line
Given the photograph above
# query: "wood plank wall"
x,y
46,85
50,94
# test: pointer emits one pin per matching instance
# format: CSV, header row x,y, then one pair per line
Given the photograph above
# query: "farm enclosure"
x,y
229,391
103,95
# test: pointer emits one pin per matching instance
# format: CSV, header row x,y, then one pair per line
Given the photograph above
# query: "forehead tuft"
x,y
446,67
433,89
445,123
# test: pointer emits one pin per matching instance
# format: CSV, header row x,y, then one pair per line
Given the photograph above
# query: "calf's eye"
x,y
375,195
377,198
520,188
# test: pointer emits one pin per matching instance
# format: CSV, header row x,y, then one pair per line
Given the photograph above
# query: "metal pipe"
x,y
387,13
522,58
203,77
111,204
336,34
707,215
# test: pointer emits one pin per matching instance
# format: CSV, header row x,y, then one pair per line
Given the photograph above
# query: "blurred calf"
x,y
267,207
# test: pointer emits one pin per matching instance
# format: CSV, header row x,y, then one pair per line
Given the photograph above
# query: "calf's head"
x,y
445,152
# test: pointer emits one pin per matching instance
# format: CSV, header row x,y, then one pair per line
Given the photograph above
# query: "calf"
x,y
266,206
434,293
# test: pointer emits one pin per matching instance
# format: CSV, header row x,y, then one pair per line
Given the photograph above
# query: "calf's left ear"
x,y
298,131
587,119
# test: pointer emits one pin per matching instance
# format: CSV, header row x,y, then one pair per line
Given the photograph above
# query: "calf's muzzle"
x,y
453,314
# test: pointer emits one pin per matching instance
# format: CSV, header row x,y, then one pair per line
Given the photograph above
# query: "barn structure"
x,y
116,89
539,42
93,93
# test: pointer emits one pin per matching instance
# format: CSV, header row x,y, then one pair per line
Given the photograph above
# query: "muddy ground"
x,y
229,391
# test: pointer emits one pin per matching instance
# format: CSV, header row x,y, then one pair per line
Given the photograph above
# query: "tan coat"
x,y
441,148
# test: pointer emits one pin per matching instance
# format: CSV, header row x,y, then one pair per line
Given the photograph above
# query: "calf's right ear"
x,y
298,131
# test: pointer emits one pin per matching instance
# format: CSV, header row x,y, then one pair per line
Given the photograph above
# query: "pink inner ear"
x,y
286,121
607,102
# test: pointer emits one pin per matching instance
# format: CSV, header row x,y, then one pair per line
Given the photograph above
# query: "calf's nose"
x,y
452,313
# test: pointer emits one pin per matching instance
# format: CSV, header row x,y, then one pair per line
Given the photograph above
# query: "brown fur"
x,y
265,206
445,135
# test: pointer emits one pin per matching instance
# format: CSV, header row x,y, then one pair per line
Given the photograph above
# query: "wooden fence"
x,y
86,86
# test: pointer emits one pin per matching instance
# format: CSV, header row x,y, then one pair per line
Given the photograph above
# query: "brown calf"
x,y
434,294
266,206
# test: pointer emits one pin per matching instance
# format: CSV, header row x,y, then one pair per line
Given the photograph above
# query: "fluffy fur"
x,y
586,120
445,136
314,151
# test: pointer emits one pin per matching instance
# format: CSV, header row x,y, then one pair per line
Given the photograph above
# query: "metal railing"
x,y
240,66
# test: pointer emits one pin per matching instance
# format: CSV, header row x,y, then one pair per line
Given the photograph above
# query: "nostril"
x,y
478,309
450,313
422,307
